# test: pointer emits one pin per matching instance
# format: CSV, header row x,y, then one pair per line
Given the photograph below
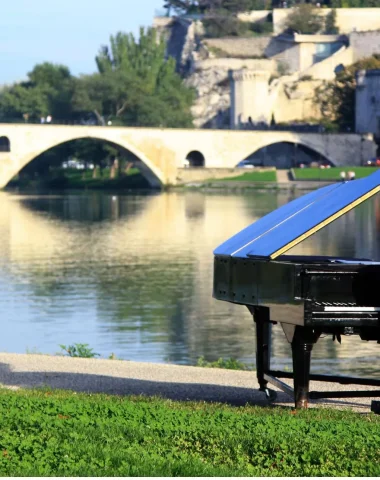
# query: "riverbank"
x,y
47,432
175,382
241,186
82,180
237,180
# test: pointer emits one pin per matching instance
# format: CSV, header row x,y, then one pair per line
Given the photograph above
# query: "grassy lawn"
x,y
252,176
57,433
331,173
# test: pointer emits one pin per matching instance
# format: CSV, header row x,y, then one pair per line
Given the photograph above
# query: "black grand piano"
x,y
307,295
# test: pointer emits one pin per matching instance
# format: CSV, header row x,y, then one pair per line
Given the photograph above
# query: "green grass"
x,y
57,433
252,176
331,173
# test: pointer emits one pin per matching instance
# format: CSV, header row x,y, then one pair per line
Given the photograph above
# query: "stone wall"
x,y
234,64
295,102
364,44
348,19
210,80
368,101
249,97
189,175
292,56
242,47
181,42
325,70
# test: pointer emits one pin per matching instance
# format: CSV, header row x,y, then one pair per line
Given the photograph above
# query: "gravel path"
x,y
169,381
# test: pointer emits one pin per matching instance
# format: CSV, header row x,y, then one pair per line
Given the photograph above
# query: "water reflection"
x,y
132,275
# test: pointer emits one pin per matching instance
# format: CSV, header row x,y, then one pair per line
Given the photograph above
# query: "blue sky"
x,y
63,31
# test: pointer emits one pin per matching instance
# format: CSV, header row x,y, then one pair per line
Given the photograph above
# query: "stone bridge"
x,y
161,152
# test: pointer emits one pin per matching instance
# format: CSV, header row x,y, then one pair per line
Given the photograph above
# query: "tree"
x,y
209,6
47,91
330,23
336,99
305,19
136,84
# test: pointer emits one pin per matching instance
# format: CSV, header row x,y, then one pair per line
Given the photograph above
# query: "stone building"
x,y
368,102
269,78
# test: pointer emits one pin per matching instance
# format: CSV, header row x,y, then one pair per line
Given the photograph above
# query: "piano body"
x,y
308,295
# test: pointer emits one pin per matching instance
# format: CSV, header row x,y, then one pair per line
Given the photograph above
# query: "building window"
x,y
325,50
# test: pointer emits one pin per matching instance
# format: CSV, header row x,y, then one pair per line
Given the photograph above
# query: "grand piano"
x,y
308,295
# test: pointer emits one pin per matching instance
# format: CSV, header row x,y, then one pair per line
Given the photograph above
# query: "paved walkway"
x,y
282,176
133,378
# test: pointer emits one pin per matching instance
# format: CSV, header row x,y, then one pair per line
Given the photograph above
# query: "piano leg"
x,y
302,346
263,331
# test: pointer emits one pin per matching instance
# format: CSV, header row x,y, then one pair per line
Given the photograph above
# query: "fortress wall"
x,y
234,64
241,47
298,104
325,70
348,19
365,44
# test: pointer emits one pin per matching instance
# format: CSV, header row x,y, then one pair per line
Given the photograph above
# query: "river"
x,y
132,275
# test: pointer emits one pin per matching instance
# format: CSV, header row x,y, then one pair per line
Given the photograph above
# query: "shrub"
x,y
305,19
79,350
228,364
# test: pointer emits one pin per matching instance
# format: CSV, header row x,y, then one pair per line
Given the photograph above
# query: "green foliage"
x,y
354,3
46,433
47,91
330,23
225,25
204,6
336,99
305,19
283,68
207,6
79,350
228,364
262,28
135,85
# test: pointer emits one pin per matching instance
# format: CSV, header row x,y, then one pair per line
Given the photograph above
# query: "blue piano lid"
x,y
282,229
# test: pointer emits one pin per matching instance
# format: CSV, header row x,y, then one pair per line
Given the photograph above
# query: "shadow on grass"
x,y
181,391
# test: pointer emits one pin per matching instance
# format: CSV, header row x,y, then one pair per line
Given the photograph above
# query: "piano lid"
x,y
279,231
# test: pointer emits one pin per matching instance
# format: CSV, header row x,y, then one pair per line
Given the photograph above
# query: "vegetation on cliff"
x,y
207,6
336,99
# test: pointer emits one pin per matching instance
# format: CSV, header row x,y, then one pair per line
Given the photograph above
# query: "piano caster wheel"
x,y
270,394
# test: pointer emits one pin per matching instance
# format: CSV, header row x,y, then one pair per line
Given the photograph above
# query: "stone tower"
x,y
249,97
368,102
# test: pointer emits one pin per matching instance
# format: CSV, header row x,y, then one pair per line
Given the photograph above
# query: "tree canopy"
x,y
306,19
135,85
209,6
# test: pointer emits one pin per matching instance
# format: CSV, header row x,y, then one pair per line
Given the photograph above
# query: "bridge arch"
x,y
195,159
287,153
5,144
154,175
